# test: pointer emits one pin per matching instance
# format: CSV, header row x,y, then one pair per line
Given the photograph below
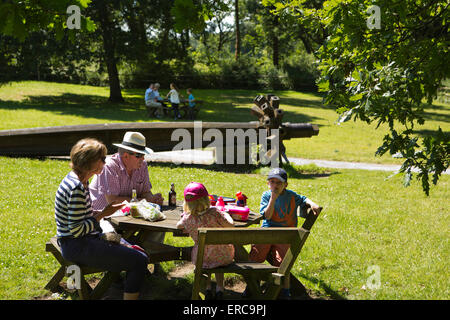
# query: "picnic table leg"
x,y
253,285
104,284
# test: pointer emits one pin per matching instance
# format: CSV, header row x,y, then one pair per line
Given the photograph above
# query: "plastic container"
x,y
213,199
237,212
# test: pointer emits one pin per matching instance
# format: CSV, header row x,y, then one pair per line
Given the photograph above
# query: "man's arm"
x,y
154,198
268,213
313,205
149,196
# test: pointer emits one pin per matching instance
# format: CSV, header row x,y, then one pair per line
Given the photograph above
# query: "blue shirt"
x,y
149,95
285,210
191,98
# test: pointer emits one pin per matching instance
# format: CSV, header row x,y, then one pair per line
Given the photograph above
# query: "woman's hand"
x,y
112,207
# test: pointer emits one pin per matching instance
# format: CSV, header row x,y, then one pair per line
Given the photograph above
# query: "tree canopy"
x,y
379,61
384,73
19,18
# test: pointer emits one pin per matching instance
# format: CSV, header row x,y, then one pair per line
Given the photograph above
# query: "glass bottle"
x,y
133,204
172,196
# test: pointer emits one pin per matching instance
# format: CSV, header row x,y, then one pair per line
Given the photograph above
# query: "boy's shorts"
x,y
274,253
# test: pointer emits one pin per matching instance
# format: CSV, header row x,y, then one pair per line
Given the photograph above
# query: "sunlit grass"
x,y
40,104
367,220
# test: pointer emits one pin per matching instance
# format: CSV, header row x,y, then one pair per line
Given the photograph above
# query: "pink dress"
x,y
215,255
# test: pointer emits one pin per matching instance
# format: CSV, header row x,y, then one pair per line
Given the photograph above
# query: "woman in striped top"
x,y
77,225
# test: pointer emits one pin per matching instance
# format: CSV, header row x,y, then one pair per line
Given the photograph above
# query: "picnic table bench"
x,y
184,110
135,231
254,272
85,291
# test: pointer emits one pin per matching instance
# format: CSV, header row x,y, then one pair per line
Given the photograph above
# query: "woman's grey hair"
x,y
85,153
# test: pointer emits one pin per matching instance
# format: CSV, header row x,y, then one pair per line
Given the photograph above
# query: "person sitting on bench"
x,y
199,213
77,225
279,207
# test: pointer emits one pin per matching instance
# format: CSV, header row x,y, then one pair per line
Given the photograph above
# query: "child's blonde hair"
x,y
197,206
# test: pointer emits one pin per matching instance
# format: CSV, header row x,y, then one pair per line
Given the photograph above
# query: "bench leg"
x,y
196,288
53,284
197,285
253,285
85,289
297,288
104,284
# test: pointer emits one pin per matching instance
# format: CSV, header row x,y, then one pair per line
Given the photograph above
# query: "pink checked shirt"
x,y
114,180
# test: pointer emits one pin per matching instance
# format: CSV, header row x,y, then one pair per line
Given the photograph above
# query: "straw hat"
x,y
134,141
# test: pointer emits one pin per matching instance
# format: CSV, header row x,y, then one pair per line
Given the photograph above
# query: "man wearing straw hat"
x,y
124,171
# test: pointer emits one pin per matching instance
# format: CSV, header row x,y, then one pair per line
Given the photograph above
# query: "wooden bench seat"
x,y
254,272
85,291
242,268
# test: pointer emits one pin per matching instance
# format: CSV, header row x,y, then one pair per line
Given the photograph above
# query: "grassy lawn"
x,y
367,220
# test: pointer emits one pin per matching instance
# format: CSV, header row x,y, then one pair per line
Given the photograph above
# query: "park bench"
x,y
254,272
184,110
85,291
158,252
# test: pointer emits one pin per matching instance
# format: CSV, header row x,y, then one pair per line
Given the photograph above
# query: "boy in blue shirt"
x,y
191,101
279,208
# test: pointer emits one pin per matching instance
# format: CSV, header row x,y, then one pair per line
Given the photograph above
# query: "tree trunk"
x,y
237,47
275,42
115,94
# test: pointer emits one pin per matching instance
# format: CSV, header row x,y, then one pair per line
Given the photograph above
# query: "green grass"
x,y
367,219
39,104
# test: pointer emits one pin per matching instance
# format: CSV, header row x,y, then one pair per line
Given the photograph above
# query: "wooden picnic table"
x,y
184,110
136,230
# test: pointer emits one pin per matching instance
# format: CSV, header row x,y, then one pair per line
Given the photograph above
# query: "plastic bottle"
x,y
220,204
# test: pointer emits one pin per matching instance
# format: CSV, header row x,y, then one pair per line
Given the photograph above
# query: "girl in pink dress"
x,y
198,213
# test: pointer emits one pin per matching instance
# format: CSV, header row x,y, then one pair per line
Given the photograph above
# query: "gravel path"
x,y
207,157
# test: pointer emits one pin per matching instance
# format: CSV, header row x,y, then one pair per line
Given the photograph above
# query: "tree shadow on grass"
x,y
294,172
325,287
88,106
307,171
218,107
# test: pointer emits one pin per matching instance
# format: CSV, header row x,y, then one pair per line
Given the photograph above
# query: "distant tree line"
x,y
189,42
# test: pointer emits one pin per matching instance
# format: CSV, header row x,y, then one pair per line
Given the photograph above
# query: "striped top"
x,y
73,210
115,181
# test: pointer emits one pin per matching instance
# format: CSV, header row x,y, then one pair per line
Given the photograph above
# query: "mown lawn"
x,y
368,220
40,104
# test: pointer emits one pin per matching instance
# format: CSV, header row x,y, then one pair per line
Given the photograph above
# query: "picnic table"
x,y
135,230
183,109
